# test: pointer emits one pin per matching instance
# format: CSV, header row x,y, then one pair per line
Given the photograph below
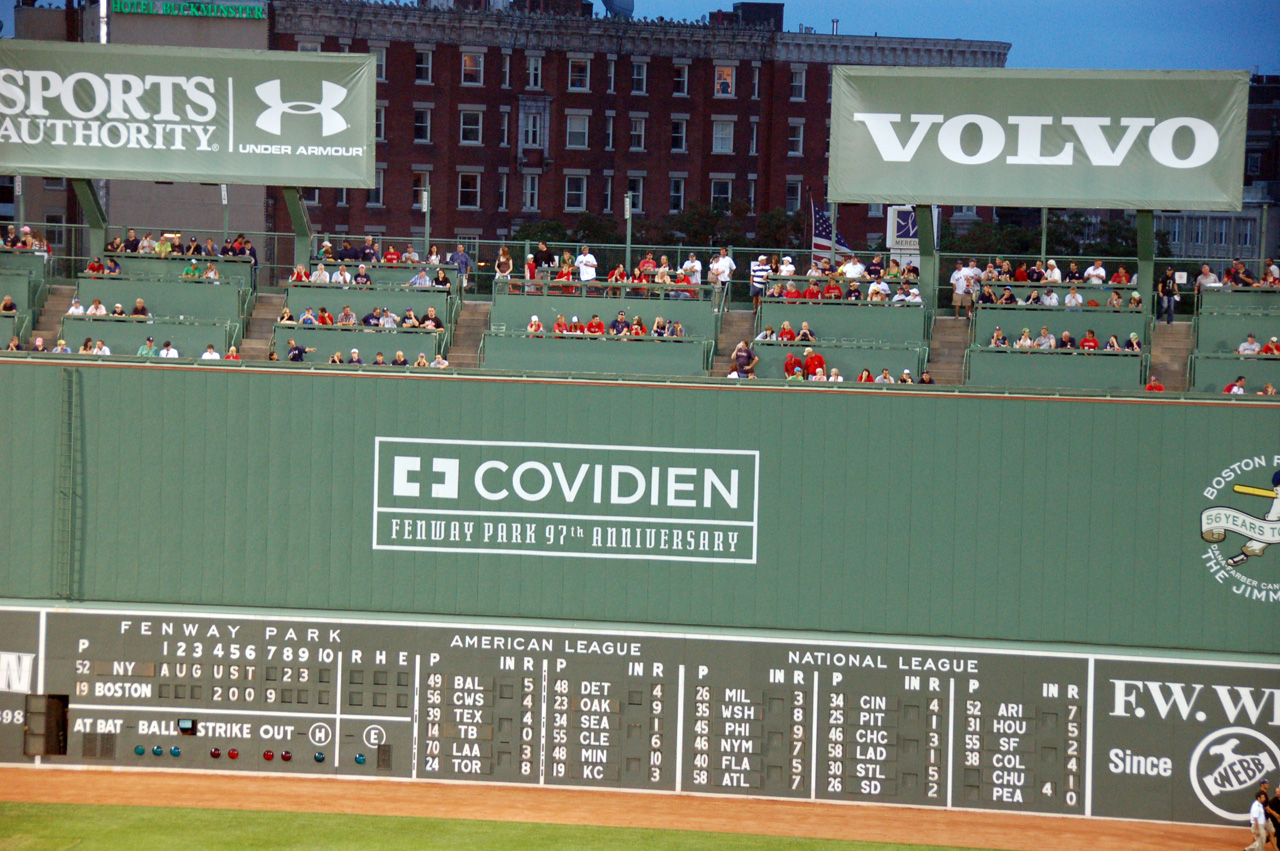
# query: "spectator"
x,y
96,309
130,244
805,335
324,317
320,275
620,326
362,280
232,354
835,376
147,245
1052,274
8,306
832,290
1240,276
210,250
410,319
389,319
884,377
745,359
1046,340
1035,274
210,272
420,279
759,277
210,353
308,317
1024,341
1007,297
561,327
1020,274
286,317
854,293
542,256
399,360
790,364
1096,275
1207,278
432,321
1074,300
998,340
336,357
378,360
1113,345
1269,267
148,348
1167,291
595,328
1154,385
502,267
1090,341
439,362
530,273
1066,341
117,311
139,309
876,267
1114,302
638,328
86,348
534,326
1006,271
168,351
1050,298
462,261
987,296
1235,388
62,348
95,267
1034,297
409,256
1133,344
299,275
1271,348
163,248
1135,300
341,277
576,327
421,361
38,345
355,357
1249,346
722,268
192,269
1269,279
926,377
346,318
820,375
369,252
1268,389
372,319
913,296
865,377
435,258
905,378
813,361
1120,278
786,333
766,335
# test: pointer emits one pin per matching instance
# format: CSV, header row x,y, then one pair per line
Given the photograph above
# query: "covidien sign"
x,y
564,499
1148,140
116,112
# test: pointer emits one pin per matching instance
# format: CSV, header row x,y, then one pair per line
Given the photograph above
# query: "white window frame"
x,y
379,63
533,72
724,200
613,75
794,193
378,193
722,137
466,177
575,185
380,124
1221,228
1198,230
530,190
463,127
478,70
340,196
531,130
420,180
419,112
583,132
751,194
638,128
802,73
308,47
677,199
637,194
755,135
608,132
680,81
584,74
875,211
506,130
679,134
755,82
1244,233
608,193
503,180
795,140
506,70
310,194
639,77
423,71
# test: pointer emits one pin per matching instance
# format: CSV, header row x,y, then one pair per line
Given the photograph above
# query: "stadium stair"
x,y
473,321
1171,347
262,322
736,325
50,320
946,349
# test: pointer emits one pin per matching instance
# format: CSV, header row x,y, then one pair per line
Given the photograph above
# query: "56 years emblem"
x,y
1227,526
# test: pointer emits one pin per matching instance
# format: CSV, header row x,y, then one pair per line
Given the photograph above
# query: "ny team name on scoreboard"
x,y
563,499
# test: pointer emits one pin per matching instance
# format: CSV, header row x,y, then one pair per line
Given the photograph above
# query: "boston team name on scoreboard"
x,y
562,499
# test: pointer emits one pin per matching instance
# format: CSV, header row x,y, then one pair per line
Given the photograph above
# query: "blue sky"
x,y
1044,33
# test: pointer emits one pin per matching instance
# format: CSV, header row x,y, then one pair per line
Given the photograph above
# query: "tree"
x,y
777,228
543,230
596,230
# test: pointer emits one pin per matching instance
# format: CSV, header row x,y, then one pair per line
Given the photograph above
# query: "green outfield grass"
x,y
66,827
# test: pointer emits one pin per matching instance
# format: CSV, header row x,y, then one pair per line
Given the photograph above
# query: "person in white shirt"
x,y
409,255
853,268
1207,278
1074,299
914,296
1258,821
692,269
815,270
168,351
389,319
1052,274
210,353
962,282
1095,274
586,264
723,267
342,276
320,275
1049,298
76,309
787,267
101,348
1249,346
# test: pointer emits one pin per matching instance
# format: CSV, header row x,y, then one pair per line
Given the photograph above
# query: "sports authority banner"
x,y
1112,139
215,116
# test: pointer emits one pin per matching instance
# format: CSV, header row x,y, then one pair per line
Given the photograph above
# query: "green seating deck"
x,y
125,336
198,299
301,296
511,312
1211,372
1103,321
1223,331
327,339
32,262
1215,299
850,321
12,325
231,270
519,352
23,288
1097,292
391,274
1033,368
850,359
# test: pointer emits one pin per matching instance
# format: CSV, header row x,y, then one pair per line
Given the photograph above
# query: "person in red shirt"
x,y
865,377
96,267
1154,385
812,293
1271,348
813,362
638,328
324,317
1235,388
791,364
595,326
786,334
1090,341
391,255
576,327
791,292
530,269
565,273
832,290
647,267
232,354
560,328
1021,274
534,326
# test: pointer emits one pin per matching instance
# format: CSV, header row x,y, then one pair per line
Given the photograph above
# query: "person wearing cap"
x,y
389,319
361,280
576,327
76,309
534,326
619,326
421,361
148,348
926,377
410,320
117,311
95,267
1133,344
1154,385
1007,297
998,340
1049,298
1046,340
787,267
759,280
813,361
355,357
796,374
962,290
168,351
905,378
692,269
1135,300
913,296
1024,341
409,255
210,353
308,317
1272,347
1249,347
421,279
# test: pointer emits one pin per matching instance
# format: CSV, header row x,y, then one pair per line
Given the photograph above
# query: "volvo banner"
x,y
211,116
1042,138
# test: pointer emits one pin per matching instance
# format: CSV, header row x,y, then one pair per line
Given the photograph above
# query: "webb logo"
x,y
331,97
15,672
1227,766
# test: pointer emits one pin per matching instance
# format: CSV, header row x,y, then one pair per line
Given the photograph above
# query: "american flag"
x,y
822,235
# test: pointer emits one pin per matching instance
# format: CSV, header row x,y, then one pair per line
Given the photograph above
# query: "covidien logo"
x,y
331,97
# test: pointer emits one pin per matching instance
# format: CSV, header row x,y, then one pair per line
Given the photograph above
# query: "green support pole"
x,y
1044,232
426,220
22,201
301,224
928,250
95,217
1147,249
626,200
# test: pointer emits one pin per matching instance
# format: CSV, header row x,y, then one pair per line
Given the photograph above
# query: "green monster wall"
x,y
1038,519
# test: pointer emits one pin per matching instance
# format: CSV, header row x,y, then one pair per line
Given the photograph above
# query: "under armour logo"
x,y
331,95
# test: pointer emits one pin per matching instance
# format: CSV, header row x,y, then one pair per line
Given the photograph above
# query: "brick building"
x,y
513,117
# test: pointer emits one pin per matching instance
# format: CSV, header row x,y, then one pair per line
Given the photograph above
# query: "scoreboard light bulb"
x,y
139,750
233,754
359,759
286,755
175,751
158,750
319,756
215,752
268,755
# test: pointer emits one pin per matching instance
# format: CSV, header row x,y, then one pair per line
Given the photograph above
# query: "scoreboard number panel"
x,y
1006,729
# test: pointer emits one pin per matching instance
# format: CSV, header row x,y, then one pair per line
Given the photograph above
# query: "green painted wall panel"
x,y
513,310
879,512
1214,372
1224,332
193,299
666,356
1104,323
126,336
1035,368
844,320
364,301
850,360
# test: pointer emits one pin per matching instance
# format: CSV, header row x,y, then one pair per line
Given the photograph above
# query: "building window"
x,y
679,135
1244,233
310,195
677,194
755,132
613,68
54,233
635,185
533,70
751,196
721,195
469,192
1253,163
473,69
422,66
831,85
797,83
1173,225
502,190
576,132
422,125
725,75
608,133
579,75
53,184
506,129
375,194
379,61
680,80
531,132
308,47
506,70
608,194
340,194
1197,231
755,84
469,127
575,193
722,137
1221,228
531,191
875,211
793,196
639,78
380,123
420,179
795,140
637,134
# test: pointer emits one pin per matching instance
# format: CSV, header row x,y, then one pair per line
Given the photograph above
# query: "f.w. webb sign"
x,y
1114,139
221,116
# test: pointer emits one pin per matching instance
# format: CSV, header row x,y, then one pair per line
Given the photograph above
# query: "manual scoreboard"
x,y
768,715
